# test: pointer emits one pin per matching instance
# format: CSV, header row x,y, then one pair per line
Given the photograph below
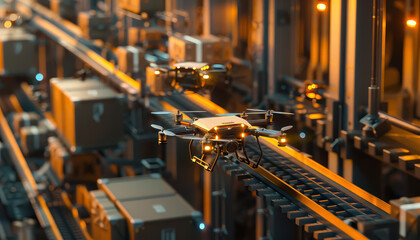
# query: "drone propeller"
x,y
260,111
175,112
168,133
157,127
286,128
228,114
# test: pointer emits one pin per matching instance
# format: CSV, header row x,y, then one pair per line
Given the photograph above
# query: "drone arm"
x,y
182,130
258,122
186,122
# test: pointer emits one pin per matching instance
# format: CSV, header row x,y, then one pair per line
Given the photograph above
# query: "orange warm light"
x,y
7,24
411,23
321,6
207,148
243,135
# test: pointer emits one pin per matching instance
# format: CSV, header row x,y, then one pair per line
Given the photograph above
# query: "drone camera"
x,y
282,140
162,138
231,147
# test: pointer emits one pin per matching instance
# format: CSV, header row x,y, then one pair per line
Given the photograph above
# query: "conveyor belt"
x,y
53,216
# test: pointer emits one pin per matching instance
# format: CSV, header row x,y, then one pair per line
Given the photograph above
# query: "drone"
x,y
223,134
194,76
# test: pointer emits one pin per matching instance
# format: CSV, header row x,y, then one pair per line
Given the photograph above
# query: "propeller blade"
x,y
228,114
161,113
284,129
191,138
255,110
169,133
157,127
193,111
284,113
219,140
255,113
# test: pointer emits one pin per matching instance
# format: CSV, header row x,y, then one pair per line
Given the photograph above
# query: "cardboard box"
x,y
106,221
33,139
94,24
93,119
128,188
131,59
73,167
24,119
65,9
169,217
18,53
407,211
138,6
211,49
59,157
181,49
158,83
59,86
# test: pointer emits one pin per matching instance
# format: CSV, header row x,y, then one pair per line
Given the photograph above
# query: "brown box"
x,y
24,119
129,188
94,24
169,217
59,156
58,86
407,211
73,167
93,119
131,59
180,49
33,139
18,53
137,6
106,221
157,82
211,49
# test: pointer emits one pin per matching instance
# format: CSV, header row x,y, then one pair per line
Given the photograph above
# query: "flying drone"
x,y
224,134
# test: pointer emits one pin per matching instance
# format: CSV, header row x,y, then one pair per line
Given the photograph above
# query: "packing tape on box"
x,y
199,48
135,52
403,216
26,119
35,133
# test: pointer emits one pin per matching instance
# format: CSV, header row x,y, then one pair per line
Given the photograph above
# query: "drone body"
x,y
222,135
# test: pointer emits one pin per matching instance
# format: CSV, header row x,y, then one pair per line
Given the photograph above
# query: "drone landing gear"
x,y
200,161
246,159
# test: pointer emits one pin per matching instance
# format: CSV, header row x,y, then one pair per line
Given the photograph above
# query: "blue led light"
x,y
202,226
302,135
39,77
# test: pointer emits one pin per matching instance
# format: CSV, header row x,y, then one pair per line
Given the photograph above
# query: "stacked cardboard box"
x,y
88,114
152,208
210,49
138,6
131,59
95,25
18,50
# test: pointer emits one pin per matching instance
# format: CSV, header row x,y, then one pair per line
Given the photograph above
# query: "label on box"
x,y
159,208
168,234
403,216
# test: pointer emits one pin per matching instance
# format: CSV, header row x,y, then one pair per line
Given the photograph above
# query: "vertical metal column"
x,y
336,90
